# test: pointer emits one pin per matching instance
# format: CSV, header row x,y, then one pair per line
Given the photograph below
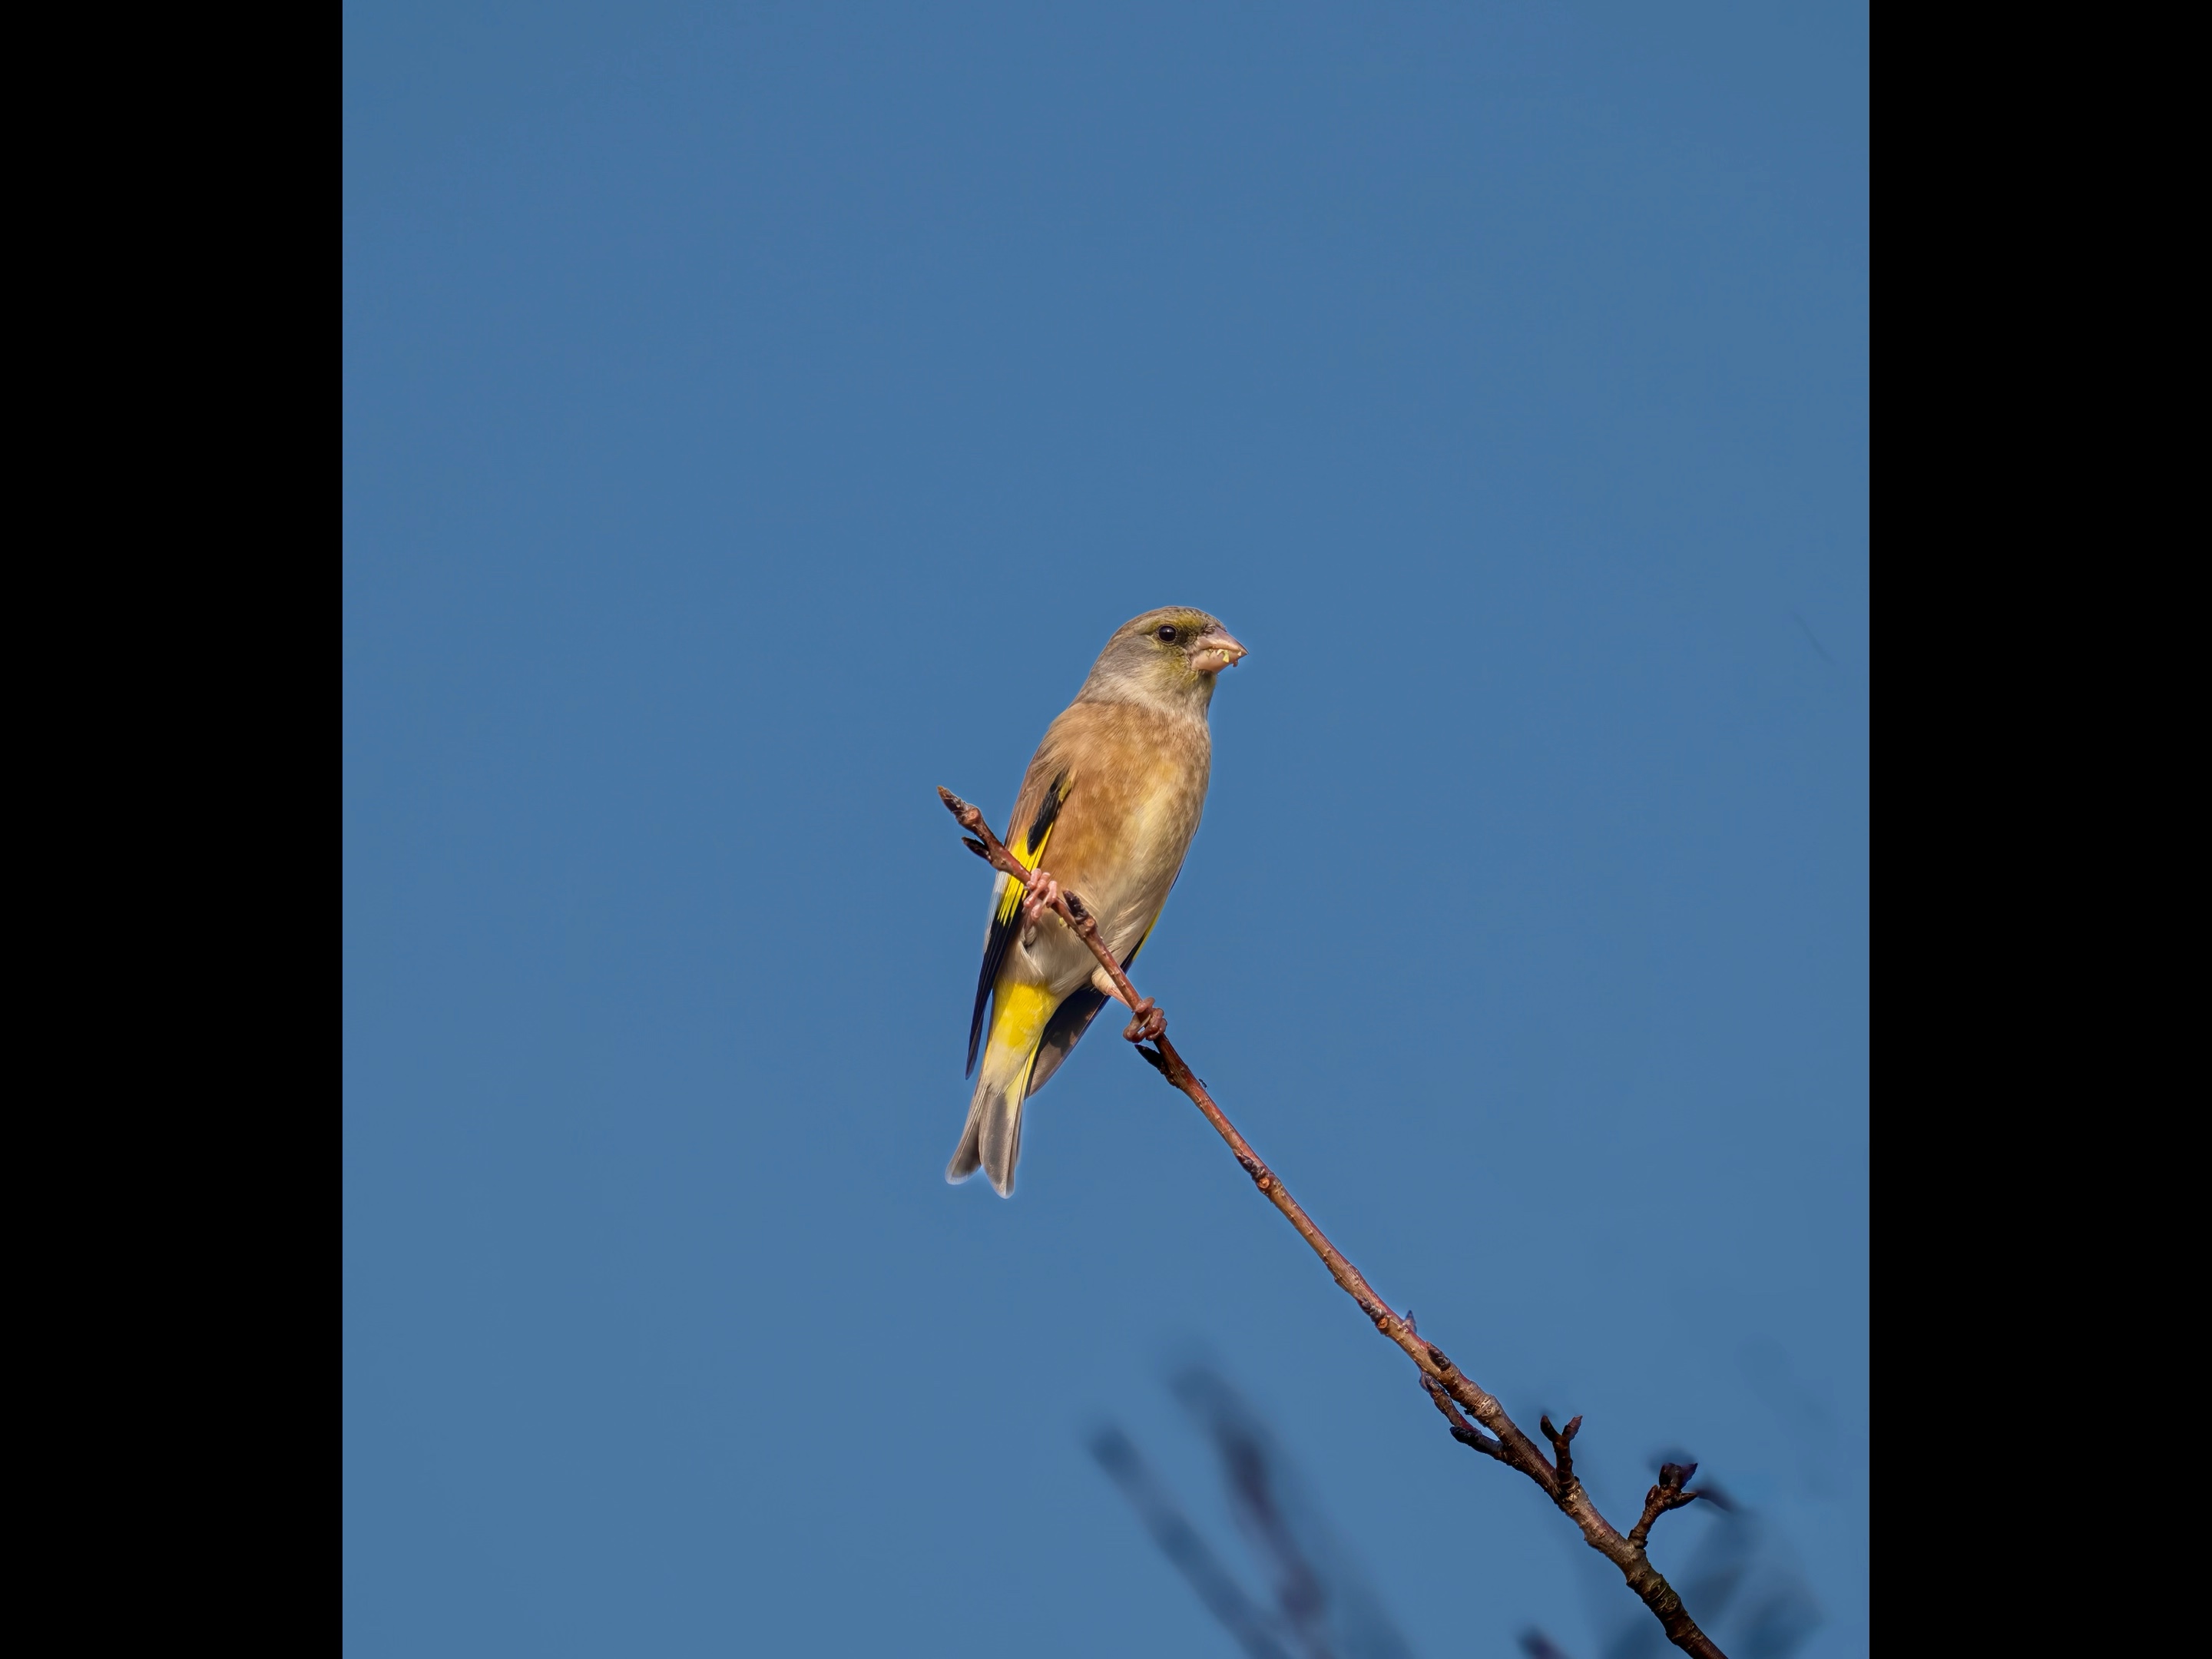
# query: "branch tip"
x,y
1562,1440
1668,1494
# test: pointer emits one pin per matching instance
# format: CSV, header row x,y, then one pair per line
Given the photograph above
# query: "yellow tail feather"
x,y
992,1139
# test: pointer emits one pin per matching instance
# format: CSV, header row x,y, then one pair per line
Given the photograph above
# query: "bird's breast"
x,y
1126,852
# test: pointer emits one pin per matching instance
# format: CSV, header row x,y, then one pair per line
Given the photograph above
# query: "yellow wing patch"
x,y
1030,856
1028,852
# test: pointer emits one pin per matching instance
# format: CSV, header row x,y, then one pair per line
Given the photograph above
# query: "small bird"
x,y
1113,794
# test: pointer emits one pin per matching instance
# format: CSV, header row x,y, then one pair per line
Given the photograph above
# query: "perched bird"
x,y
1112,794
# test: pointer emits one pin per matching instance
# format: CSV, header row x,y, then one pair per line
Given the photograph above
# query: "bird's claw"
x,y
1147,1023
1037,897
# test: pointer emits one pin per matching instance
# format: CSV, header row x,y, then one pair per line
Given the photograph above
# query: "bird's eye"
x,y
1167,631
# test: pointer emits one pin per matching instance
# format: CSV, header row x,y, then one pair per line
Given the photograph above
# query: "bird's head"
x,y
1168,657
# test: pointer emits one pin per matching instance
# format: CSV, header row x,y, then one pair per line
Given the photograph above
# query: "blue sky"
x,y
757,416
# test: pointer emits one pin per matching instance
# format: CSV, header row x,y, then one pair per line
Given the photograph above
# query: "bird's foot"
x,y
1037,898
1147,1022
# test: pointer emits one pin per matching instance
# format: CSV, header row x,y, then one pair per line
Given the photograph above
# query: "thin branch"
x,y
1445,1382
1180,1542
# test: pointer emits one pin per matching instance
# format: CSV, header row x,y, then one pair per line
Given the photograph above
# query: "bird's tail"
x,y
992,1139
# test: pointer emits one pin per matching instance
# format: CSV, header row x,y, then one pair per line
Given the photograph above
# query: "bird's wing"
x,y
1029,829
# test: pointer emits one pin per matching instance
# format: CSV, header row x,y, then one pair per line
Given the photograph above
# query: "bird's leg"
x,y
1146,1020
1037,898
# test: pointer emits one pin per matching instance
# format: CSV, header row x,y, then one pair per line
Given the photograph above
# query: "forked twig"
x,y
1449,1387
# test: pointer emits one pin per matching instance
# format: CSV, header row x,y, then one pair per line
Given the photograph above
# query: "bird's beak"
x,y
1213,651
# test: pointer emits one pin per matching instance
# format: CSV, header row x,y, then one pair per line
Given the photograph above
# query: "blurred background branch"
x,y
1319,1604
1180,1542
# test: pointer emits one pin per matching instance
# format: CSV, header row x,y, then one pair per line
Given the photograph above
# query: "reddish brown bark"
x,y
1449,1388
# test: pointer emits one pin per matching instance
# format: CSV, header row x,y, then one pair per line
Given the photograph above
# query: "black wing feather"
x,y
995,952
